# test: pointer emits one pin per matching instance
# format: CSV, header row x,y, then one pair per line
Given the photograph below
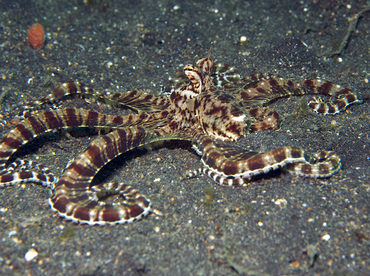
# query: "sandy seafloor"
x,y
322,229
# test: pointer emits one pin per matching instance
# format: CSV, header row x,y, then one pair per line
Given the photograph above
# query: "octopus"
x,y
211,106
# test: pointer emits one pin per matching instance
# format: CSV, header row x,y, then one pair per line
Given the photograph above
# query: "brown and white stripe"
x,y
260,89
38,124
138,101
231,165
73,198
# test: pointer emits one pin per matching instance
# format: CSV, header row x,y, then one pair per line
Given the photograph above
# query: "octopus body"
x,y
212,107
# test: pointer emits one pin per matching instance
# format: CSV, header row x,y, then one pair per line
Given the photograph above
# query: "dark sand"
x,y
237,231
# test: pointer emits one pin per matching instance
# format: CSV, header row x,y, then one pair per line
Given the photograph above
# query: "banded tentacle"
x,y
230,165
76,200
136,100
260,89
321,164
38,124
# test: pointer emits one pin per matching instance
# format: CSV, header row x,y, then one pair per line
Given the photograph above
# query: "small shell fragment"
x,y
282,202
31,254
326,237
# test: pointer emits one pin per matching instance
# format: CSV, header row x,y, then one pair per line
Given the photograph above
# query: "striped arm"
x,y
75,200
135,100
263,88
231,165
36,125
